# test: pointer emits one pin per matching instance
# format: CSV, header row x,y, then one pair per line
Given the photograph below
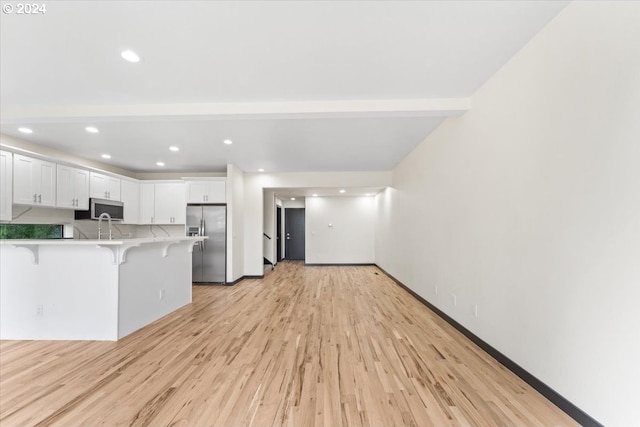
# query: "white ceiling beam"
x,y
444,107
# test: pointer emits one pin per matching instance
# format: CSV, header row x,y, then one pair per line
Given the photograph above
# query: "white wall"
x,y
255,183
235,223
340,230
269,220
529,205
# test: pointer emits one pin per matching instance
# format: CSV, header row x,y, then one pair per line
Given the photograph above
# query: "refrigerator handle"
x,y
204,231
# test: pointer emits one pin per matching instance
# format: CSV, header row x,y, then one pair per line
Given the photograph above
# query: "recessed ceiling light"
x,y
106,156
130,56
314,195
343,191
174,148
293,198
260,170
92,129
228,141
368,194
160,163
25,130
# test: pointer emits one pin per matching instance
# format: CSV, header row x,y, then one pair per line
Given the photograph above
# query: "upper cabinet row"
x,y
41,183
30,181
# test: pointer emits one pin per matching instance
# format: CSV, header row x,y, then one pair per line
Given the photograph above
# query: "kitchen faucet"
x,y
103,215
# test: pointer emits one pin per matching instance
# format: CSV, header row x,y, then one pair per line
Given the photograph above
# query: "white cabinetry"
x,y
147,203
162,203
72,186
130,194
104,187
34,181
170,205
6,184
209,191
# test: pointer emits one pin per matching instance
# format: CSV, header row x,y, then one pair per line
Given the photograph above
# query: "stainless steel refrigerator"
x,y
210,255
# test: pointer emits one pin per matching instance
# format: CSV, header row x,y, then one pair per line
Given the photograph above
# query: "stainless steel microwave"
x,y
97,207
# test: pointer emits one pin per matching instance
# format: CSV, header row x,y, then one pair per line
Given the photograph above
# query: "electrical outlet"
x,y
475,310
161,294
40,310
454,300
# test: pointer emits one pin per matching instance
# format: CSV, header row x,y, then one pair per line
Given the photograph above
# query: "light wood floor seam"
x,y
305,346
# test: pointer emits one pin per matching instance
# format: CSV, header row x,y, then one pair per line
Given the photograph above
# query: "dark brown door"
x,y
294,233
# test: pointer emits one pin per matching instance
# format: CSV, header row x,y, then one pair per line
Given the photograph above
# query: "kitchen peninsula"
x,y
64,289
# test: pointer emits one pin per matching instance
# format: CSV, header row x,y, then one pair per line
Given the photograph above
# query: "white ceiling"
x,y
315,86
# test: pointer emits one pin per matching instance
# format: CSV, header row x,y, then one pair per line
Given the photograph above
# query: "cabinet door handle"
x,y
151,220
35,198
39,198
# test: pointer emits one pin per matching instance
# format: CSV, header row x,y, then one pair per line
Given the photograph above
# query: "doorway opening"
x,y
278,234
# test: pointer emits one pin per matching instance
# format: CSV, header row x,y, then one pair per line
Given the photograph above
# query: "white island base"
x,y
90,289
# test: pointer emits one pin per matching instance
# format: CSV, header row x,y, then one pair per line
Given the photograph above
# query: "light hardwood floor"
x,y
305,346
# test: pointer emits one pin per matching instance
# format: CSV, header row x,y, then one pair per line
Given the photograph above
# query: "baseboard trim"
x,y
565,405
339,265
241,278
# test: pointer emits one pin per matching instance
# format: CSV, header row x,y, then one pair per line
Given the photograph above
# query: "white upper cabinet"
x,y
34,181
104,187
162,203
72,186
130,194
147,203
6,185
170,205
209,191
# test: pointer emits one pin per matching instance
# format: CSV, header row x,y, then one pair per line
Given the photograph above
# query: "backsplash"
x,y
160,230
88,229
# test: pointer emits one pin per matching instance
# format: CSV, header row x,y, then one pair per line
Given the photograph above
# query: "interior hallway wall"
x,y
340,230
235,223
529,206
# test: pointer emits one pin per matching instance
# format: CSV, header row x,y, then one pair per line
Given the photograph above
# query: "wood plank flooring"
x,y
305,346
